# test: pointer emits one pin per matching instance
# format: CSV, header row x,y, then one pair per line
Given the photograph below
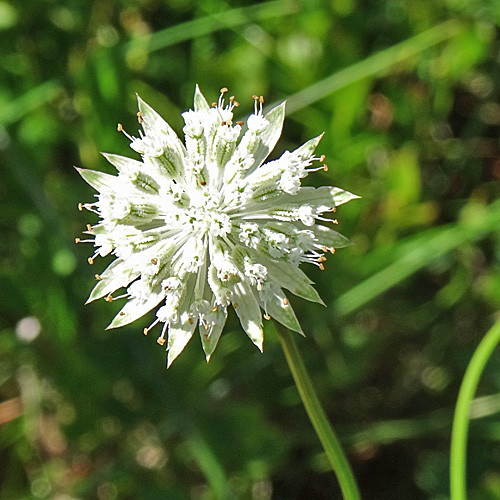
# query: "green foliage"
x,y
407,95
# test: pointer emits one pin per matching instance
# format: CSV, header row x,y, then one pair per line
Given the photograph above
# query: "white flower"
x,y
198,227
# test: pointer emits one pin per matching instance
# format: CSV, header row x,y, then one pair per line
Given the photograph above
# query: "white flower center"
x,y
205,214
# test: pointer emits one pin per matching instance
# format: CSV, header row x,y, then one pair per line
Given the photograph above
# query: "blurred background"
x,y
408,94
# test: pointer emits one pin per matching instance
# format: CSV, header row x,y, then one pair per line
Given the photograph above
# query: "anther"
x,y
223,123
261,99
231,99
266,316
214,105
161,341
214,309
206,325
255,97
80,206
285,301
90,260
98,277
322,158
154,262
190,321
321,267
119,127
332,250
122,313
334,209
325,167
89,227
235,304
223,90
110,298
324,248
335,221
321,259
203,183
139,117
240,123
77,240
153,324
236,104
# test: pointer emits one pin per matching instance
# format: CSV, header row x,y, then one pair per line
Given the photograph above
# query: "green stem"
x,y
458,488
317,415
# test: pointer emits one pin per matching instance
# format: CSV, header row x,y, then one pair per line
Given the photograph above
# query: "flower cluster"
x,y
198,227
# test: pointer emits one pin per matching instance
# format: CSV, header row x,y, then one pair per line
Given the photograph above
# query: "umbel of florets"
x,y
201,226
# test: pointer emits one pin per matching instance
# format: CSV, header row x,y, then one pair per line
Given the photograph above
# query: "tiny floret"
x,y
199,226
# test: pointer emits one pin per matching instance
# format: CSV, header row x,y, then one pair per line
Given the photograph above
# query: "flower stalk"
x,y
329,440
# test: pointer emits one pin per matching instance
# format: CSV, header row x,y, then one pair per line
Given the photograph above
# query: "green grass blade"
x,y
374,65
458,483
428,247
32,99
209,24
209,465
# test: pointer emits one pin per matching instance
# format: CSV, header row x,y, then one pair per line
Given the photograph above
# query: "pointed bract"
x,y
98,180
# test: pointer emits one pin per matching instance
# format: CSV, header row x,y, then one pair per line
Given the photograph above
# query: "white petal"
x,y
329,238
340,196
122,163
179,334
200,103
247,308
134,309
267,139
118,274
322,199
308,148
210,338
280,309
288,276
98,180
154,124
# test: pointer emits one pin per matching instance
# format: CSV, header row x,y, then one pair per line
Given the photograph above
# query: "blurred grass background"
x,y
408,93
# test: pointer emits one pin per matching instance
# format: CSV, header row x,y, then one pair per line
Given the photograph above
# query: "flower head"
x,y
198,227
